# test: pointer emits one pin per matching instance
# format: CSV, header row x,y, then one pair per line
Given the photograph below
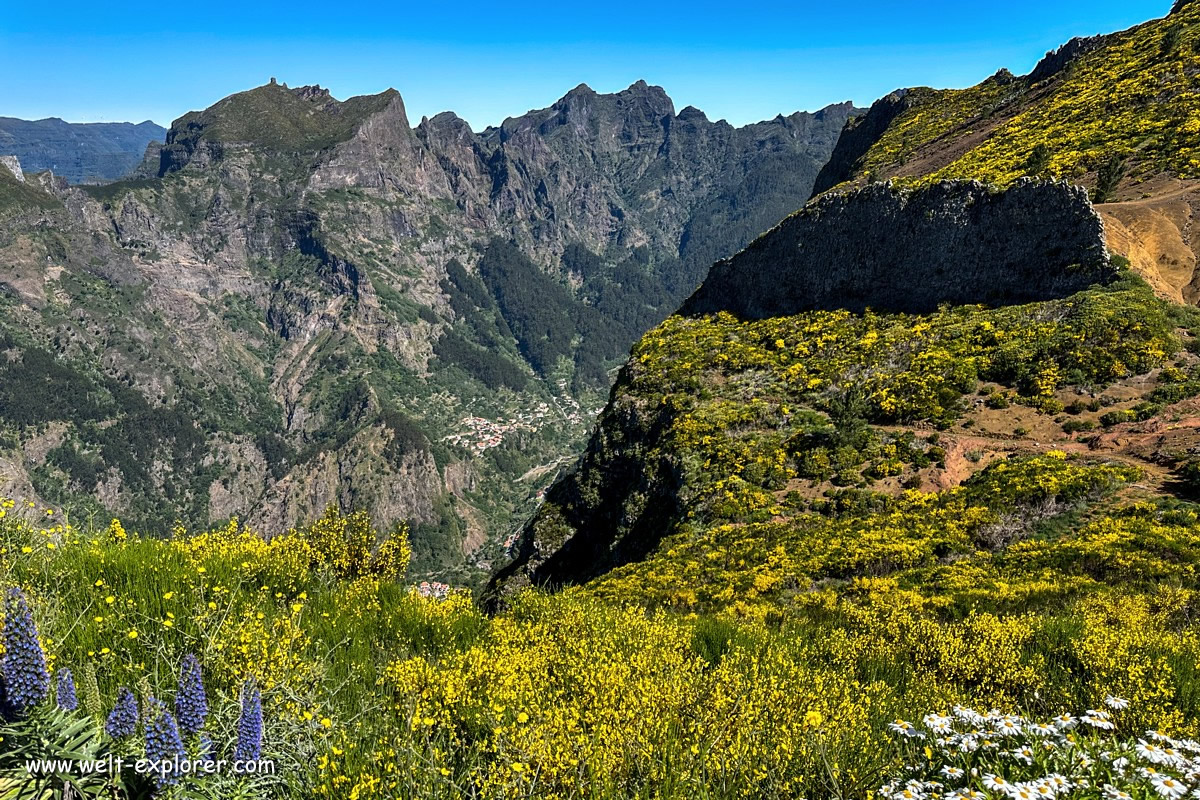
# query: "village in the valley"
x,y
479,434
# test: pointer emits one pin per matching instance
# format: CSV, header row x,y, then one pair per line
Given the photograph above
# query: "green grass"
x,y
277,119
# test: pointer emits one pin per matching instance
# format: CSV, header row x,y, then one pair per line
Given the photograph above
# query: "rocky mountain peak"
x,y
274,118
653,98
314,92
1003,77
582,90
445,126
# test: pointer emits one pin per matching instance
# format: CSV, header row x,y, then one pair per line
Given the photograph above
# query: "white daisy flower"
x,y
1007,726
904,728
1059,782
1116,703
1158,736
1023,754
968,715
1064,722
995,783
938,724
1174,757
1169,787
968,744
1120,764
1041,729
953,773
1151,752
1098,722
1113,793
1023,791
1044,788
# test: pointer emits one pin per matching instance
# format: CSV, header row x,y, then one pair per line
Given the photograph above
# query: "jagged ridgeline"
x,y
299,300
878,341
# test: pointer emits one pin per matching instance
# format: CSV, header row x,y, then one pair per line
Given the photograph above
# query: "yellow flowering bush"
x,y
1131,98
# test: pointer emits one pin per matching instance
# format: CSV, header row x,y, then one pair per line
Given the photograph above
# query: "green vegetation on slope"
x,y
719,421
1133,98
278,119
15,195
373,690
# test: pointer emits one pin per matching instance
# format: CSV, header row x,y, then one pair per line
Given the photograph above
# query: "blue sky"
x,y
741,60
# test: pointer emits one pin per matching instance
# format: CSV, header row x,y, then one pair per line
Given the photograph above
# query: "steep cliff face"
x,y
301,300
1116,113
895,250
858,137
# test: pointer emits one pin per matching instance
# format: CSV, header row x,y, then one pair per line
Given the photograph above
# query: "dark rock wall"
x,y
895,250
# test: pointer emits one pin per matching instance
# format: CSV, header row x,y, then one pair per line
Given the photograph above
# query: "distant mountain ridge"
x,y
81,152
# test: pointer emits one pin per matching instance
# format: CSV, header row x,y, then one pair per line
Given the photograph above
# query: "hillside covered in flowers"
x,y
933,551
862,519
1092,111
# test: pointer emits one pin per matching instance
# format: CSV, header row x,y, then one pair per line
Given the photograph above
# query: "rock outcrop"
x,y
13,165
859,135
1057,60
911,250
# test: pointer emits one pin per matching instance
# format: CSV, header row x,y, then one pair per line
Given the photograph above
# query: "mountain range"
x,y
87,152
295,301
896,498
